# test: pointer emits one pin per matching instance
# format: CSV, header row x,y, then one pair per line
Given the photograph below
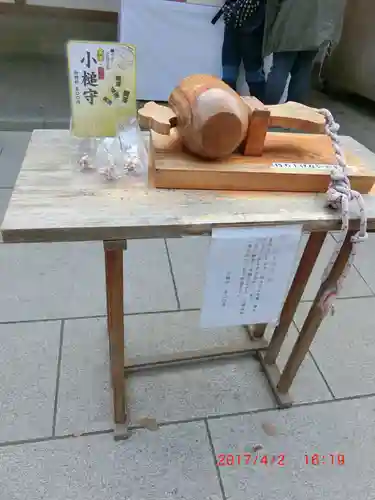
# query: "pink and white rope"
x,y
339,195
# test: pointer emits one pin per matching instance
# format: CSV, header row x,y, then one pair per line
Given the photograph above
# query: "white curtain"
x,y
173,40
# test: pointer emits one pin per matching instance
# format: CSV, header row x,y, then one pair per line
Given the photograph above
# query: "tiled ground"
x,y
54,382
43,105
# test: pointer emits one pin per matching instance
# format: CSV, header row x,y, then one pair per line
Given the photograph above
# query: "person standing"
x,y
295,32
243,42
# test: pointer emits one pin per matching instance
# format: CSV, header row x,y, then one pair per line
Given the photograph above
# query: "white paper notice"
x,y
248,274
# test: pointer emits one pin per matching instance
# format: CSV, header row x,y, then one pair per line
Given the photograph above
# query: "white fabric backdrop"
x,y
173,40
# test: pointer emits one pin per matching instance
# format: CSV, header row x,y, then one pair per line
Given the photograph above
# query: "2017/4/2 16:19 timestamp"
x,y
328,459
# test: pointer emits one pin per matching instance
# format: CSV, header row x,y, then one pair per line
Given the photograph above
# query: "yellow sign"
x,y
102,87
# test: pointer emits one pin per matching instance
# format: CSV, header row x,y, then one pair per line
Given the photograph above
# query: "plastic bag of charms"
x,y
84,152
124,155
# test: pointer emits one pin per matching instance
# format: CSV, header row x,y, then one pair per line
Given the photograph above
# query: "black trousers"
x,y
245,45
296,64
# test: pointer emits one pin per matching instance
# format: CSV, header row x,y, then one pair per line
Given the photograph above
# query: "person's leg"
x,y
278,76
230,57
251,34
300,73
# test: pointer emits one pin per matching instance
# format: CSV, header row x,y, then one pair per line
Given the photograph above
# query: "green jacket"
x,y
294,25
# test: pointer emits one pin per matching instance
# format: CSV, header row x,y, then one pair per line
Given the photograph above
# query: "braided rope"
x,y
339,195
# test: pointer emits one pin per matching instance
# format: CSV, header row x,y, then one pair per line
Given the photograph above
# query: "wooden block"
x,y
257,131
172,167
156,117
259,117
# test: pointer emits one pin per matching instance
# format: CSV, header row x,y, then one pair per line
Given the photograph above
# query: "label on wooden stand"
x,y
248,274
303,166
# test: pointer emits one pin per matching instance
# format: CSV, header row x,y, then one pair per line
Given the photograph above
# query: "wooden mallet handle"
x,y
297,116
158,118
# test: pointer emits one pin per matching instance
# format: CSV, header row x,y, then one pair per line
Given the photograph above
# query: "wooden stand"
x,y
170,166
264,161
253,343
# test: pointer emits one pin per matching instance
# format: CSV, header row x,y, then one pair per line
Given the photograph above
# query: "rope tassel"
x,y
339,195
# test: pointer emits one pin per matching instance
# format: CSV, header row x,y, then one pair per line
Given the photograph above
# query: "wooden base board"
x,y
170,167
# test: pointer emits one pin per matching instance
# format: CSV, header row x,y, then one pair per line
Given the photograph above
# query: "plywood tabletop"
x,y
53,201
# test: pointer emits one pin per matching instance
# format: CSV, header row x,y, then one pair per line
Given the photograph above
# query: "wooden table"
x,y
53,202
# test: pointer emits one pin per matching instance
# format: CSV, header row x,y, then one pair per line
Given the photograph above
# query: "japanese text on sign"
x,y
248,273
102,79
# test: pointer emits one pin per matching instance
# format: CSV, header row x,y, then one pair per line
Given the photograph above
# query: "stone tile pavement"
x,y
55,426
42,101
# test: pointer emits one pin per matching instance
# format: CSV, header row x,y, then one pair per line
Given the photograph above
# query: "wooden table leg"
x,y
306,265
113,252
268,358
314,318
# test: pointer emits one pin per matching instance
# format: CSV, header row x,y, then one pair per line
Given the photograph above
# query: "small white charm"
x,y
84,162
131,163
